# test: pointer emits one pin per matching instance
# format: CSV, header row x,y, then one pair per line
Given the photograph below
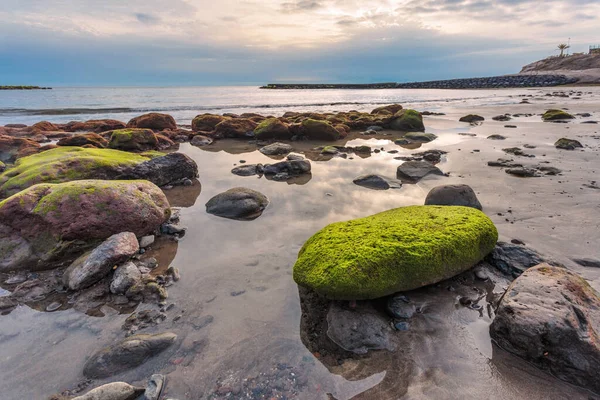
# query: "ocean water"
x,y
183,103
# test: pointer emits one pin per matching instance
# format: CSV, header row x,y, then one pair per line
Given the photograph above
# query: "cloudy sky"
x,y
202,42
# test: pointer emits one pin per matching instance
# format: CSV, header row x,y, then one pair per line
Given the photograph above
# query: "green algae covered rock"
x,y
319,130
407,120
272,128
553,115
396,250
133,139
66,164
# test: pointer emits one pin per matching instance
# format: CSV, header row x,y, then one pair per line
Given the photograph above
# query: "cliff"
x,y
584,67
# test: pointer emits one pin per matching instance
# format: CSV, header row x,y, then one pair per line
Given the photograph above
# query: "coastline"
x,y
24,87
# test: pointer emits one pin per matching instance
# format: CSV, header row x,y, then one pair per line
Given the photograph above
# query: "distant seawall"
x,y
22,87
493,82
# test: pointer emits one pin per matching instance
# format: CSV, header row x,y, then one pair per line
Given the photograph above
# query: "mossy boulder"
x,y
133,140
408,121
65,164
40,224
154,121
2,167
206,122
44,126
396,250
319,130
236,128
272,128
12,148
84,139
554,115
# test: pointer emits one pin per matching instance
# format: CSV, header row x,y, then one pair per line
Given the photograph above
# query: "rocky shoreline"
x,y
24,87
84,204
494,82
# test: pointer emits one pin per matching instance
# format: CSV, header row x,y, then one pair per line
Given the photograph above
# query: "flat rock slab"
x,y
512,259
238,203
377,182
551,317
112,391
414,171
277,148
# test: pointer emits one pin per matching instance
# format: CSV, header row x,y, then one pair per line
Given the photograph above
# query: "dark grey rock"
x,y
238,203
504,162
420,137
496,137
503,117
155,387
399,306
453,195
472,118
522,172
358,331
587,262
513,260
128,353
91,267
377,182
291,168
550,317
567,144
414,171
166,170
200,140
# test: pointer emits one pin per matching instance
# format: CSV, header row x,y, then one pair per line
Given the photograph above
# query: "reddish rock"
x,y
94,125
12,148
84,139
46,220
206,122
44,126
154,121
164,142
391,109
236,128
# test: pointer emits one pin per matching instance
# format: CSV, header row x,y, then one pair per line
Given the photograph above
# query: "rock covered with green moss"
x,y
319,130
41,223
407,120
206,122
133,139
65,164
396,250
554,115
567,144
272,128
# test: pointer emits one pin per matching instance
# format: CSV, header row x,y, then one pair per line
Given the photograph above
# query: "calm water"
x,y
447,352
67,104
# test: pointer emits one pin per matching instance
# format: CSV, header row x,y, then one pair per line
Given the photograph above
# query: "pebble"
x,y
402,326
53,306
237,292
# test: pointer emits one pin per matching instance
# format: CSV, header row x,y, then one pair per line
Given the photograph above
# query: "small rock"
x,y
276,149
522,172
155,387
146,241
125,276
112,391
399,306
414,171
587,262
377,182
567,144
238,203
512,259
453,195
248,170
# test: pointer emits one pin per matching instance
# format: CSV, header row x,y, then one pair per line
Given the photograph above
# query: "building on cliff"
x,y
595,49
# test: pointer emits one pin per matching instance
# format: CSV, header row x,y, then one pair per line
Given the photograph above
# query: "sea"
x,y
64,104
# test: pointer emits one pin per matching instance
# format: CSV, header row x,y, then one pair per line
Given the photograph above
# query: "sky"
x,y
228,42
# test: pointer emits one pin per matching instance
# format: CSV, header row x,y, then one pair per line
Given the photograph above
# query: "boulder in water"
x,y
133,139
238,203
554,115
414,171
397,250
272,128
408,121
154,121
453,195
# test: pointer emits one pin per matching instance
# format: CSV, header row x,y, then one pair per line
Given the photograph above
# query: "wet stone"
x,y
399,306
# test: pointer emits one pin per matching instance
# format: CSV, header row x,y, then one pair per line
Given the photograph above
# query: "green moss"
x,y
272,128
397,250
133,139
408,121
329,150
552,115
64,164
567,144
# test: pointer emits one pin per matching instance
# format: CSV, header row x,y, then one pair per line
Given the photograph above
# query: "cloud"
x,y
147,18
300,6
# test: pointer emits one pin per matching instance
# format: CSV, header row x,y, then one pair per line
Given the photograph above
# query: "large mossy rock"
x,y
94,125
84,139
408,121
396,250
319,130
272,128
65,164
154,121
554,115
41,223
134,139
236,128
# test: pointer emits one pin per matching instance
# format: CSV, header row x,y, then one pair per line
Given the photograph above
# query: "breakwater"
x,y
22,87
493,82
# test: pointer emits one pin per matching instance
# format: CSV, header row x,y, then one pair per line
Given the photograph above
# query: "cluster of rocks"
x,y
506,81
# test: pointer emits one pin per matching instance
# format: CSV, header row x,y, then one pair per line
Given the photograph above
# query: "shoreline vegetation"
x,y
493,82
24,87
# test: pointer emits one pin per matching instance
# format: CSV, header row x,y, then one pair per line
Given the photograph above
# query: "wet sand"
x,y
253,338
